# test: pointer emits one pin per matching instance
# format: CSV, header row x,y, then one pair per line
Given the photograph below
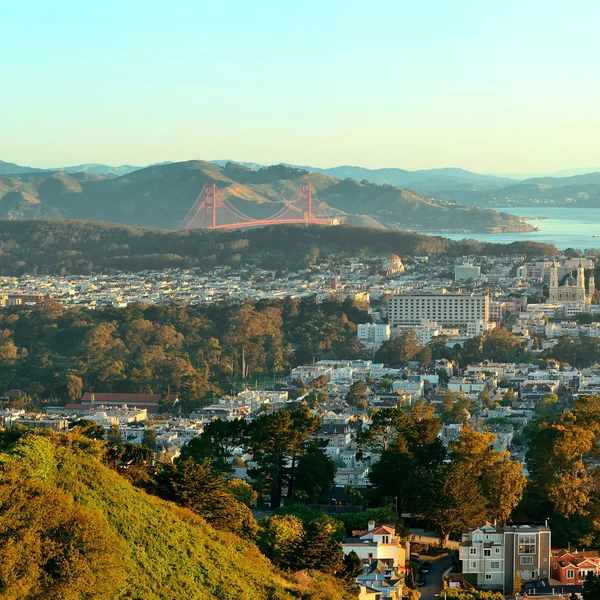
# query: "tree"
x,y
499,479
357,395
517,585
199,487
114,435
89,429
218,442
546,405
452,500
278,538
149,438
318,549
382,433
243,492
591,587
276,442
456,408
74,387
509,397
399,350
425,356
315,472
352,567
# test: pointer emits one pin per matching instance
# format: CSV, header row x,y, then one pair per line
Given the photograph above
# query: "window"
x,y
495,564
527,544
570,573
370,555
473,551
487,552
488,576
473,565
497,550
526,560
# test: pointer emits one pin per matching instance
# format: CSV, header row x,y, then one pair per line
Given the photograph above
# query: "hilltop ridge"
x,y
161,196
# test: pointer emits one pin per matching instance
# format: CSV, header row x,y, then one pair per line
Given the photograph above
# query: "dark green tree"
x,y
199,487
315,472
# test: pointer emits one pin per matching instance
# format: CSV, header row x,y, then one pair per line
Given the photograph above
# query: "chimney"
x,y
371,525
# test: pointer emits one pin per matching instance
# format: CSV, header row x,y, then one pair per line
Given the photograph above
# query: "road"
x,y
435,578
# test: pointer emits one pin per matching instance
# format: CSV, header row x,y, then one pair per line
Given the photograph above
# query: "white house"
x,y
378,542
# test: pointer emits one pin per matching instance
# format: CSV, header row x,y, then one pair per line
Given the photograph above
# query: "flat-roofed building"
x,y
409,310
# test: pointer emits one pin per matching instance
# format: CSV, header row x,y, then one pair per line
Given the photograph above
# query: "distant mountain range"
x,y
574,187
161,196
7,168
581,189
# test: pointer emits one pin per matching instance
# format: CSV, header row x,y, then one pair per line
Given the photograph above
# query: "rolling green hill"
x,y
161,196
72,528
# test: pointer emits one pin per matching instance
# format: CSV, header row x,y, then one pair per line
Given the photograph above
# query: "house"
x,y
572,567
495,554
378,542
380,581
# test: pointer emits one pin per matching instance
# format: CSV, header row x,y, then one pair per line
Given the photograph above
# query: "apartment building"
x,y
464,272
445,308
495,554
373,333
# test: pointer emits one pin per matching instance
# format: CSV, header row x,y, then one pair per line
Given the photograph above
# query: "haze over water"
x,y
563,226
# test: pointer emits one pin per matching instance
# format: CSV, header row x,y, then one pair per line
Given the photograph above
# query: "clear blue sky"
x,y
488,86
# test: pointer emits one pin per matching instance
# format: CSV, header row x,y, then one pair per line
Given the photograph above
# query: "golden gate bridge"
x,y
212,210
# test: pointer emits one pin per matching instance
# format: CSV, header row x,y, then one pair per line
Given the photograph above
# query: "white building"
x,y
464,272
445,308
373,333
378,542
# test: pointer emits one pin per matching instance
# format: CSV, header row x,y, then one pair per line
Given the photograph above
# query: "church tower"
x,y
591,286
580,275
553,275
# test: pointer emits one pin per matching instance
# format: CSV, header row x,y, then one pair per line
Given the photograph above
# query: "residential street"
x,y
435,578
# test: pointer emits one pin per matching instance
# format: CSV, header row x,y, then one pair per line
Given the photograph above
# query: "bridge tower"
x,y
306,202
210,206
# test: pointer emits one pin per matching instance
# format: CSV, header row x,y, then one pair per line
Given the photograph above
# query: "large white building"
x,y
373,333
464,272
408,310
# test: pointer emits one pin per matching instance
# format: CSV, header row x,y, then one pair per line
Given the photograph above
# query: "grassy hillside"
x,y
59,246
143,548
161,196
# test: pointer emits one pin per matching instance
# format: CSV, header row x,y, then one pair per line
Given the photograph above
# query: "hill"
x,y
424,179
7,168
580,191
161,196
73,528
59,246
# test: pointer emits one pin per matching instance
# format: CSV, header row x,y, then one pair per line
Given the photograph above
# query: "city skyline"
x,y
494,89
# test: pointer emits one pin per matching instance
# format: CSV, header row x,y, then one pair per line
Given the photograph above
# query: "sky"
x,y
503,87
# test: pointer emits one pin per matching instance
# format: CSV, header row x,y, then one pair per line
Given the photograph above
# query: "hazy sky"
x,y
488,86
